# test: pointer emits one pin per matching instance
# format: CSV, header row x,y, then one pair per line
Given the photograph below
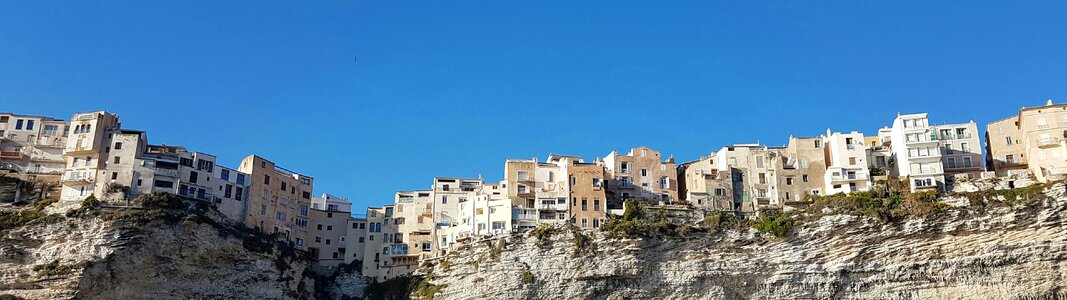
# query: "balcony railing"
x,y
1049,142
11,154
77,176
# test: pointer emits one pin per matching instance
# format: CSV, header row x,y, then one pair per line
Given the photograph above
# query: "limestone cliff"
x,y
153,253
1017,250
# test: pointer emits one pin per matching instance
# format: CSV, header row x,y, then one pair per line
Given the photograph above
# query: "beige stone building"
x,y
356,238
279,200
413,217
800,170
32,146
1005,153
378,252
327,242
89,140
640,174
1042,131
588,197
705,186
520,183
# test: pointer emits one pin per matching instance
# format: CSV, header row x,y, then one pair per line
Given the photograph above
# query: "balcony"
x,y
552,207
11,155
853,176
1049,142
166,172
52,142
77,176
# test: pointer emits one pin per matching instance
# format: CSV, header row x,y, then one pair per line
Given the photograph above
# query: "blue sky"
x,y
370,97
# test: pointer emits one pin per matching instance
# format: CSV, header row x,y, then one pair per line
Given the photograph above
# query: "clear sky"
x,y
370,97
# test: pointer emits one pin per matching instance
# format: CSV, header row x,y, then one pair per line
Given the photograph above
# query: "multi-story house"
x,y
88,143
1005,152
492,213
588,197
703,185
413,217
1035,139
520,182
800,170
450,196
356,238
847,169
123,166
32,146
279,200
916,152
640,174
880,154
329,216
377,261
232,195
961,150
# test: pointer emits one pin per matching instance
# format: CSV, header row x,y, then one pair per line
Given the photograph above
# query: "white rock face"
x,y
1002,253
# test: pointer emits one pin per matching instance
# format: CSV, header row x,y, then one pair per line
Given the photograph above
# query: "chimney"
x,y
1049,101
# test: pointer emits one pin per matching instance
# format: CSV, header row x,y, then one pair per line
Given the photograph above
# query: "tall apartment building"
x,y
1034,139
640,174
356,238
450,196
800,169
32,146
123,165
847,169
961,150
521,182
588,195
916,152
329,216
492,211
279,200
377,255
88,143
413,217
232,195
1005,151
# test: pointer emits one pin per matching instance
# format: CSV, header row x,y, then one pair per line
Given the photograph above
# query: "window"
x,y
1042,123
644,172
29,124
585,204
283,186
523,175
329,227
361,239
318,227
624,181
306,195
193,176
964,148
596,182
1008,138
951,162
967,162
596,204
226,192
225,174
624,167
759,161
118,145
789,181
303,209
585,223
444,199
118,160
804,178
237,193
114,175
664,182
163,184
762,178
596,223
299,242
241,179
18,124
1009,158
852,160
818,144
266,179
318,239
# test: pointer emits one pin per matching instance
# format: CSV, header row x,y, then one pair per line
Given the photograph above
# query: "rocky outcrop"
x,y
158,254
1016,252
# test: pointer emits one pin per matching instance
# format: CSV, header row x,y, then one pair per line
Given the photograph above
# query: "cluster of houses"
x,y
92,154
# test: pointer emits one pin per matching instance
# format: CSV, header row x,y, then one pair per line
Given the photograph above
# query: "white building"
x,y
32,146
846,168
917,152
961,149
